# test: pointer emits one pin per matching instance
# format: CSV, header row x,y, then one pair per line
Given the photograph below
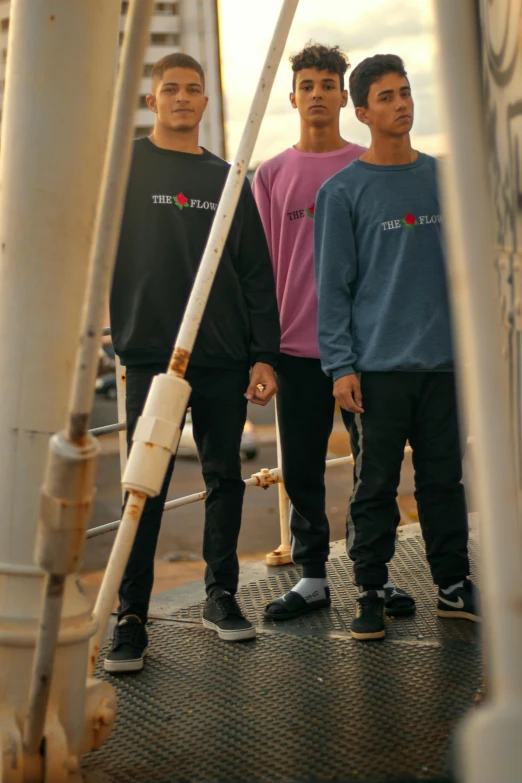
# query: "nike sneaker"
x,y
463,602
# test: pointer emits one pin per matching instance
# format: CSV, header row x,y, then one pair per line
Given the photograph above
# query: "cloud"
x,y
404,27
370,29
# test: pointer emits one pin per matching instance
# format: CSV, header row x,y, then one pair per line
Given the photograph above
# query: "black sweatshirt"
x,y
170,204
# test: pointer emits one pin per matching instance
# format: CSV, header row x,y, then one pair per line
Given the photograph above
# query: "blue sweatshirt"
x,y
380,270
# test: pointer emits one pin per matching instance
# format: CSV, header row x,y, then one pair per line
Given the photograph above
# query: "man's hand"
x,y
262,385
347,392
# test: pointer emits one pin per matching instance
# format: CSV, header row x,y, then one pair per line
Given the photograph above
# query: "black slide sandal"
x,y
397,602
293,605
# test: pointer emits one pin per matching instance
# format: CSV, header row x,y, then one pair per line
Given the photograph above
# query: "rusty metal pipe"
x,y
113,575
108,219
230,196
43,663
108,216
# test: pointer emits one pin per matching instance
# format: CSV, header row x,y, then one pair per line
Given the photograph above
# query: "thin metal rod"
x,y
109,214
230,196
483,373
121,398
97,432
185,501
197,496
43,661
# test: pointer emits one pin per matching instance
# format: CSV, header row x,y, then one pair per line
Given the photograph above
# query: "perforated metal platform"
x,y
409,570
301,703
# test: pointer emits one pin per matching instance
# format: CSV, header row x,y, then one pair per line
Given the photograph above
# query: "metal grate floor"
x,y
409,570
303,703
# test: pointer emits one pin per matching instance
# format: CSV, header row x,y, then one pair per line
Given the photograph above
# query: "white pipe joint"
x,y
266,477
157,435
67,496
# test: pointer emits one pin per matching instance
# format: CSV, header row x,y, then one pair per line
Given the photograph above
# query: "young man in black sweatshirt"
x,y
173,191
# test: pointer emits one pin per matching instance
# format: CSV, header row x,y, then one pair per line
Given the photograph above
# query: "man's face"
x,y
390,106
318,96
179,99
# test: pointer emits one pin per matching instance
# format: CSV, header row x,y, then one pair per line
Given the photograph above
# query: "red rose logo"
x,y
311,210
180,200
409,220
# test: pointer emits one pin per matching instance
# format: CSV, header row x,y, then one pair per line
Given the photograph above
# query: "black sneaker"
x,y
129,647
463,602
222,614
369,616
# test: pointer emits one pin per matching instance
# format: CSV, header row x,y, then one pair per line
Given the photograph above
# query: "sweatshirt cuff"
x,y
265,358
340,372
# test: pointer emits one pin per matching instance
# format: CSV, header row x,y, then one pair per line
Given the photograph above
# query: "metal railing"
x,y
264,478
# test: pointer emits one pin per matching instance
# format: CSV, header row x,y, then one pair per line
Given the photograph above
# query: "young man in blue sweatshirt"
x,y
385,338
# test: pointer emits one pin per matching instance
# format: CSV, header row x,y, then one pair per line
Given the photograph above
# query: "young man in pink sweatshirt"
x,y
285,188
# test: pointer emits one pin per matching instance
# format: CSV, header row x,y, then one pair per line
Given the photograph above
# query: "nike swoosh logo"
x,y
458,604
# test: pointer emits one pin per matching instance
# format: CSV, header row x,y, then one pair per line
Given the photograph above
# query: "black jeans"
x,y
305,409
218,418
420,407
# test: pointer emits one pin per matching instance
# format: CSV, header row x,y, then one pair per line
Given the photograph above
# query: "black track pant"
x,y
218,418
305,408
420,407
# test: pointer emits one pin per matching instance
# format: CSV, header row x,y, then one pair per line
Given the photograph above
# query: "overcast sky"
x,y
360,27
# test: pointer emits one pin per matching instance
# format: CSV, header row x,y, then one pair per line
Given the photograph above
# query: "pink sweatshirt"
x,y
285,188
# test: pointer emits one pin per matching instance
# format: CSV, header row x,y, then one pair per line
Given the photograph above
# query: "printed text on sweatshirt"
x,y
285,189
169,208
380,269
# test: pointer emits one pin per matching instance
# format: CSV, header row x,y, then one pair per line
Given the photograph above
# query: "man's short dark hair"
x,y
177,60
324,58
371,70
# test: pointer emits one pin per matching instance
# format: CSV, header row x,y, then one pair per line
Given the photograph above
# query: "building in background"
x,y
189,26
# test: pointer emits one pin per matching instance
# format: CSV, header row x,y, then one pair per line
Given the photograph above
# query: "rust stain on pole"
x,y
78,425
179,362
55,586
134,509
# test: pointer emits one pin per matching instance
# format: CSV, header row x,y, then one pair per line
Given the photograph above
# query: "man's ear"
x,y
152,103
205,100
344,100
292,100
362,115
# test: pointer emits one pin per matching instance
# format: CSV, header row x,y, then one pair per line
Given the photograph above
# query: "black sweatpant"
x,y
218,418
420,407
305,409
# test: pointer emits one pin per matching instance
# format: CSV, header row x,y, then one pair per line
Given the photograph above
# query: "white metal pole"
x,y
147,466
282,555
61,533
491,736
109,214
231,192
54,127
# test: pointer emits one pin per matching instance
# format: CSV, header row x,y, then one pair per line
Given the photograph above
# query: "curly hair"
x,y
371,70
324,58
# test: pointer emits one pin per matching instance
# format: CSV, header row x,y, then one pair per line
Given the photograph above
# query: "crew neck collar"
x,y
331,154
187,155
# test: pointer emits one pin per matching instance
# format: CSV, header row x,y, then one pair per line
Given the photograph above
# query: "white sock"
x,y
380,593
311,589
451,588
389,583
